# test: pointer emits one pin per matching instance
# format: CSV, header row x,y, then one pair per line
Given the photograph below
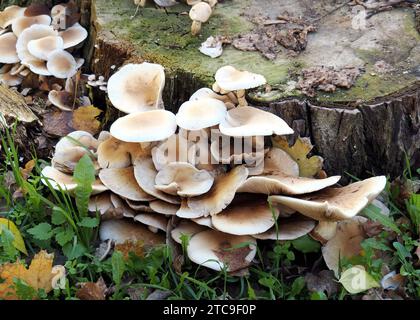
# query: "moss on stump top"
x,y
390,36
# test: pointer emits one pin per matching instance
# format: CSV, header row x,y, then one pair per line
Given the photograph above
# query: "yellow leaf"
x,y
38,275
18,242
308,167
356,280
84,118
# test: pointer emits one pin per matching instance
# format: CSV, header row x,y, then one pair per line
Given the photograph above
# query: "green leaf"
x,y
41,231
297,286
356,280
57,216
374,244
401,250
375,214
64,235
318,295
74,250
306,244
89,222
84,176
18,242
118,267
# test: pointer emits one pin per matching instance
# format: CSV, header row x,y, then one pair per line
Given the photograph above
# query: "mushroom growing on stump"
x,y
333,204
230,79
42,47
61,64
217,250
137,87
199,14
8,15
73,36
8,52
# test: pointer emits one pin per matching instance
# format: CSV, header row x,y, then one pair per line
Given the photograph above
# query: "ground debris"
x,y
270,36
92,290
326,79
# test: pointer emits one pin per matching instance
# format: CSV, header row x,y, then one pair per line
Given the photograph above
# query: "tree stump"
x,y
367,129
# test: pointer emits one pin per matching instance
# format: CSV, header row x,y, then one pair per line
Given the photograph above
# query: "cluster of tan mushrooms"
x,y
41,41
184,174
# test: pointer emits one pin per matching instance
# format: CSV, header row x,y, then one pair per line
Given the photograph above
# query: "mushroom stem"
x,y
153,229
240,94
195,28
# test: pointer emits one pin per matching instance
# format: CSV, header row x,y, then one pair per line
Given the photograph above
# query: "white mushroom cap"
x,y
137,87
22,23
214,249
8,52
230,79
77,138
278,160
204,93
41,48
122,182
204,221
187,228
247,214
9,14
249,121
200,114
184,211
145,174
59,180
149,126
183,179
34,32
38,67
61,64
61,99
220,195
345,243
121,231
153,220
67,159
200,12
334,204
164,207
288,229
279,183
73,36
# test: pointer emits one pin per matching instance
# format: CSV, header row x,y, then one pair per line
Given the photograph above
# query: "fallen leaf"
x,y
38,275
57,122
85,118
18,242
29,166
356,280
136,247
308,167
92,290
324,281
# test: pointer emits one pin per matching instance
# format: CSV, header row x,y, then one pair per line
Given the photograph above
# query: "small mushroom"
x,y
41,48
333,204
8,52
154,221
185,228
121,205
10,80
145,174
121,231
163,207
137,87
217,250
22,23
230,79
61,99
324,231
288,229
122,182
75,139
200,114
247,214
221,193
8,15
61,64
184,211
148,126
204,93
204,221
67,159
199,14
249,121
73,36
100,203
183,179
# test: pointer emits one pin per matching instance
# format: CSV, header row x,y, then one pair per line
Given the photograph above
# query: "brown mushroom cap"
x,y
288,229
121,231
8,52
204,221
247,214
217,250
230,79
122,182
9,14
153,220
22,23
101,203
187,228
73,36
249,121
345,243
184,211
164,207
137,87
334,204
183,179
147,126
10,80
61,64
279,183
145,174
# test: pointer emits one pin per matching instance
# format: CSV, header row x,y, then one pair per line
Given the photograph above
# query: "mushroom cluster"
x,y
204,175
41,41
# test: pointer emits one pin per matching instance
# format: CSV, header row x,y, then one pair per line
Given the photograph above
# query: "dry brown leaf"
x,y
308,167
85,118
38,275
92,290
58,123
136,247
